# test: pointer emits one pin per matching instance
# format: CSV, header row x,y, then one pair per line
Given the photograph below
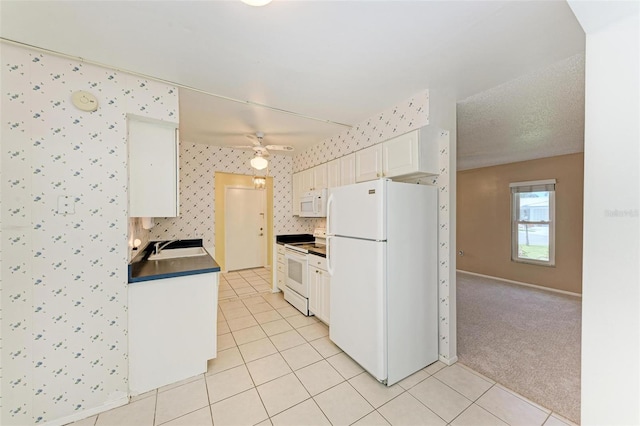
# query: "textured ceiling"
x,y
537,115
338,61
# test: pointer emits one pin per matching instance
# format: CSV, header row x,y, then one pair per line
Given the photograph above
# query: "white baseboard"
x,y
448,361
124,400
521,283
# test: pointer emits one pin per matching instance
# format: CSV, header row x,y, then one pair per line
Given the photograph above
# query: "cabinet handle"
x,y
377,174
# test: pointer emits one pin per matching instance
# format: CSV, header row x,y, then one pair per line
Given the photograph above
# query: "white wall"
x,y
64,277
611,271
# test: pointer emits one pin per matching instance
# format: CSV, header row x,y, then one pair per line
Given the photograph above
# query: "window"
x,y
533,222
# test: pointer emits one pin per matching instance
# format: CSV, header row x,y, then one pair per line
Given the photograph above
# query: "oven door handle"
x,y
293,255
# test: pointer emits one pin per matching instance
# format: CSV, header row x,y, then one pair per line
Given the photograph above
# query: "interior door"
x,y
245,234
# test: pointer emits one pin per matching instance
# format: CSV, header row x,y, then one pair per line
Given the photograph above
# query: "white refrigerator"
x,y
382,258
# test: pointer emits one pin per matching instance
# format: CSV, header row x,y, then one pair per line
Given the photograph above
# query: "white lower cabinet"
x,y
280,268
319,288
172,329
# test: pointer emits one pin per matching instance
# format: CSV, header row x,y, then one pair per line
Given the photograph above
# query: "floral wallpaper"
x,y
402,118
406,116
198,164
64,233
442,181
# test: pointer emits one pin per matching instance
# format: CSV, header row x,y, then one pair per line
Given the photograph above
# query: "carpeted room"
x,y
526,337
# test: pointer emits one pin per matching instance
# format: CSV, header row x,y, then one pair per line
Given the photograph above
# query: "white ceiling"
x,y
338,62
540,114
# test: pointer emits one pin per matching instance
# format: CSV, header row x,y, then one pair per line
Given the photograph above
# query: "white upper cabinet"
x,y
348,169
319,177
333,173
306,180
369,163
341,171
407,156
400,155
313,179
153,168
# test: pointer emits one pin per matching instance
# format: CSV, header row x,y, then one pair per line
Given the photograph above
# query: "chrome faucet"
x,y
160,245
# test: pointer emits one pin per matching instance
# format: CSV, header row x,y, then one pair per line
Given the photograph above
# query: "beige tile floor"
x,y
278,367
245,282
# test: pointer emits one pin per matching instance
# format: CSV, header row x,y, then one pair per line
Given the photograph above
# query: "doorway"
x,y
245,223
222,181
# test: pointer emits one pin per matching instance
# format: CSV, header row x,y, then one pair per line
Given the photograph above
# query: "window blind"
x,y
533,186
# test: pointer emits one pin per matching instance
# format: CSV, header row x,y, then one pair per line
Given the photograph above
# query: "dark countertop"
x,y
318,250
142,269
294,238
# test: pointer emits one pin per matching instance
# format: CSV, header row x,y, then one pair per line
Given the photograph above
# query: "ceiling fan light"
x,y
256,2
259,163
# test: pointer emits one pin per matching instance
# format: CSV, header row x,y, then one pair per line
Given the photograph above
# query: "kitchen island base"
x,y
172,329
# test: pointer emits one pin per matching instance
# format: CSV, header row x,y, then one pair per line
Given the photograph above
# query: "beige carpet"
x,y
523,338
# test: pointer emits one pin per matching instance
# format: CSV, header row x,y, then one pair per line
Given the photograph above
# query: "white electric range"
x,y
297,282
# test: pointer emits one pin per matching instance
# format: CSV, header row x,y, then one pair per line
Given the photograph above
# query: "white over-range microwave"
x,y
314,203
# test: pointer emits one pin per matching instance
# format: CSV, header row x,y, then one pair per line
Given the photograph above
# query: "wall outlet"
x,y
66,205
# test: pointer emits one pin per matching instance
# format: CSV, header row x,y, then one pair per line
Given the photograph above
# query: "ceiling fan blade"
x,y
280,147
254,140
244,147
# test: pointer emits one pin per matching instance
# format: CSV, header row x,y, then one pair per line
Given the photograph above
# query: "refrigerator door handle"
x,y
329,203
329,266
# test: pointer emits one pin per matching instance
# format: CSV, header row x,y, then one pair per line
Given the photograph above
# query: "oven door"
x,y
297,279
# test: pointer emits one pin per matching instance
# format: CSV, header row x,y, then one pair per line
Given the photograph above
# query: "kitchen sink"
x,y
179,252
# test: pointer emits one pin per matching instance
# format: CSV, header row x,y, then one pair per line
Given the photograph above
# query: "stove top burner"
x,y
308,247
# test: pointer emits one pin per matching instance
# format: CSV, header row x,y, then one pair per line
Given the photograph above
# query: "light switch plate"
x,y
66,205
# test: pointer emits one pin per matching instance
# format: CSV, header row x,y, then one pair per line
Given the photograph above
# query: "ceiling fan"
x,y
259,162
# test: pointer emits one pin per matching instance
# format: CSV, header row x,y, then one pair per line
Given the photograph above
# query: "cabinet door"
x,y
400,155
333,173
348,169
279,270
153,168
320,177
296,189
325,290
369,163
315,293
306,180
